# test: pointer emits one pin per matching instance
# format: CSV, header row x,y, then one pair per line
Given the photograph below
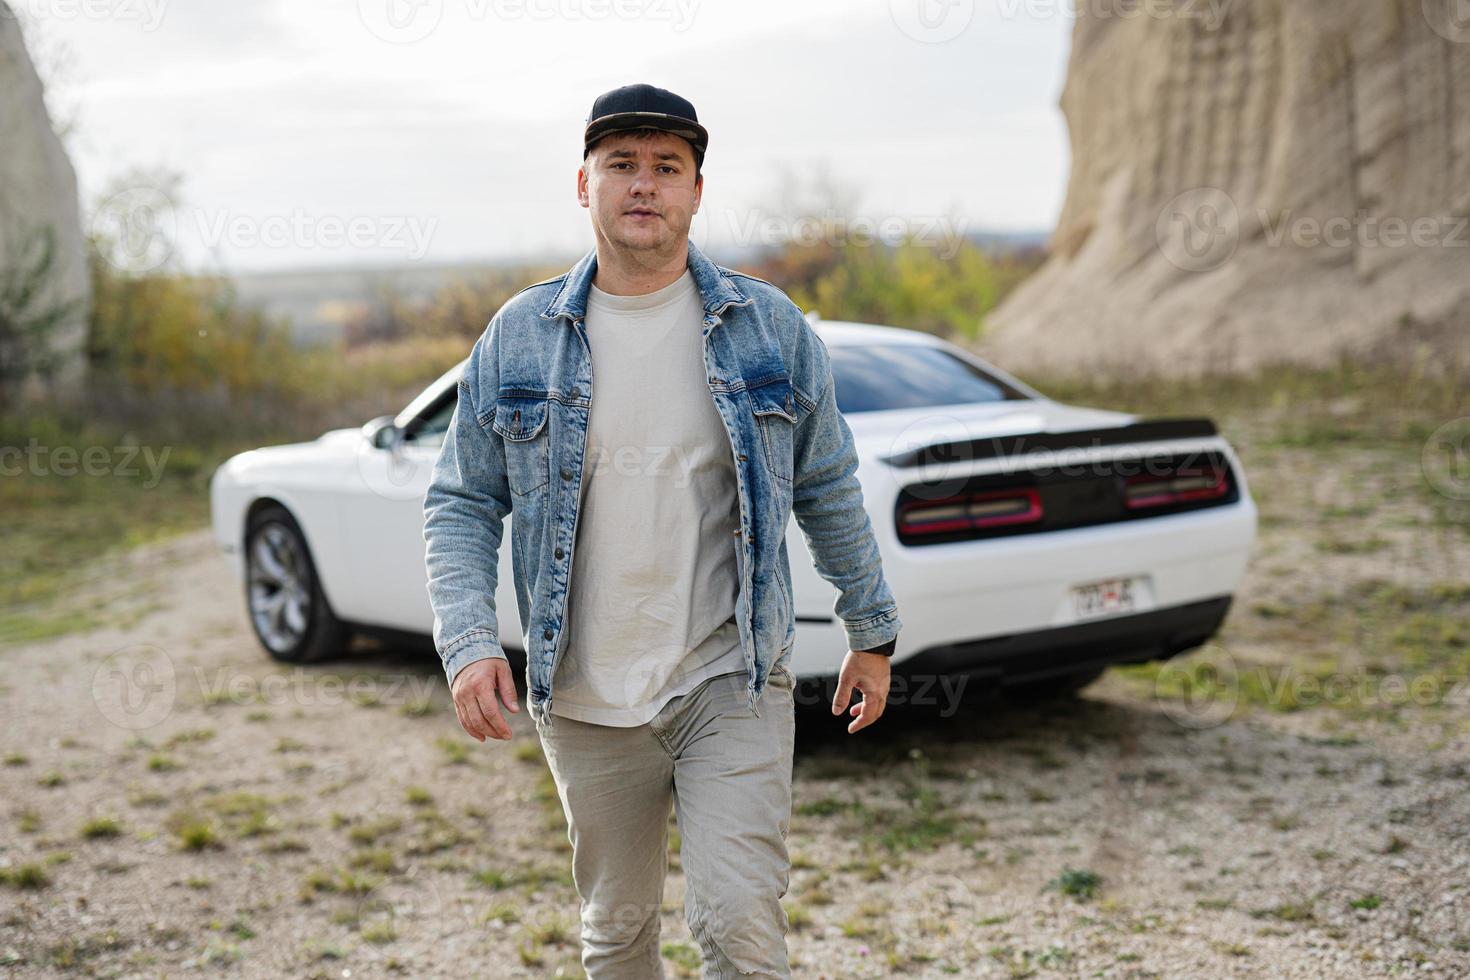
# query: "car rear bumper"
x,y
1039,654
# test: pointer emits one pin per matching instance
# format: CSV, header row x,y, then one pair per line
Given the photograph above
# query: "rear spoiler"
x,y
1144,430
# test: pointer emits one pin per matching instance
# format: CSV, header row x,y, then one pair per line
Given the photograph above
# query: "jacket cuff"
x,y
873,631
887,649
477,644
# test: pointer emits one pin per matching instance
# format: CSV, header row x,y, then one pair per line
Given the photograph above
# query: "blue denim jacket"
x,y
517,441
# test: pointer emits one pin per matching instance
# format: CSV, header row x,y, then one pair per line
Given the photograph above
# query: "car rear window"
x,y
876,377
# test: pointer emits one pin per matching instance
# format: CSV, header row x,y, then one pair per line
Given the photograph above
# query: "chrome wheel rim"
x,y
280,593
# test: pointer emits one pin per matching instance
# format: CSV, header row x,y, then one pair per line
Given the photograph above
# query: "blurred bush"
x,y
944,288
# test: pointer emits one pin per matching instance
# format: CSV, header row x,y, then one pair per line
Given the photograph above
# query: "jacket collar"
x,y
716,288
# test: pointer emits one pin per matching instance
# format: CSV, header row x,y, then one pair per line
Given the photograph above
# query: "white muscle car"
x,y
1027,541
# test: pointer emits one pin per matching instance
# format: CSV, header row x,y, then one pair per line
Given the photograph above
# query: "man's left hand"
x,y
869,673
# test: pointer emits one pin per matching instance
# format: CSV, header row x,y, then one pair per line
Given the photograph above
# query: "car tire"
x,y
283,595
1058,687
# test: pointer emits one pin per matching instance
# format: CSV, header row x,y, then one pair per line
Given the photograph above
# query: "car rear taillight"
x,y
1054,498
969,512
1176,485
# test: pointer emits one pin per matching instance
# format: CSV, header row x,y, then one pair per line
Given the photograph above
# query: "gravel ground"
x,y
175,804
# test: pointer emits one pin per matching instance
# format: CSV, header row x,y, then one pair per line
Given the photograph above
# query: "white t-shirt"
x,y
651,601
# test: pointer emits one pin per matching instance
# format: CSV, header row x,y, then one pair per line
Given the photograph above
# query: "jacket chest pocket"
x,y
522,422
774,406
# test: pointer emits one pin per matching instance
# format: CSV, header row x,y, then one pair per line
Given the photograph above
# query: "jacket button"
x,y
547,634
575,392
566,474
560,553
742,457
713,380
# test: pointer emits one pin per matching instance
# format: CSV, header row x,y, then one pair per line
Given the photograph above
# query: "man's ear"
x,y
698,193
583,197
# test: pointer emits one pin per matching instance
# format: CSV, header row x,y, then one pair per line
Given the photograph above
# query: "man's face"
x,y
641,190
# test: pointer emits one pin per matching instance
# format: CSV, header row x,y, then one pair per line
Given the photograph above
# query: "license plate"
x,y
1106,597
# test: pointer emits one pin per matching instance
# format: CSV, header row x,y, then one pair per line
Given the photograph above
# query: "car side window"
x,y
429,429
877,377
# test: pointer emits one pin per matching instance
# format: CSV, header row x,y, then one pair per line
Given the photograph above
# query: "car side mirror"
x,y
381,433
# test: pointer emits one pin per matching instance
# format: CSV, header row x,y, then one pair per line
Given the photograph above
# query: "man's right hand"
x,y
475,691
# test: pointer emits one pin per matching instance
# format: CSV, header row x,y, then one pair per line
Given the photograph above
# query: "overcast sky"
x,y
448,130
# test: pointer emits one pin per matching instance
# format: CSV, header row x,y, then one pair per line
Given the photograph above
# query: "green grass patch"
x,y
1077,883
100,827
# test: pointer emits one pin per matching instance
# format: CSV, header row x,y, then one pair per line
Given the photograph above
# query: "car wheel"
x,y
287,609
1060,686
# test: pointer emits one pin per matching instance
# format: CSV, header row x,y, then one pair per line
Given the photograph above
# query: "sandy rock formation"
x,y
1256,181
38,192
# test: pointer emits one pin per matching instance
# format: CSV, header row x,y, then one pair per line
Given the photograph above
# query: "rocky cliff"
x,y
1256,181
38,200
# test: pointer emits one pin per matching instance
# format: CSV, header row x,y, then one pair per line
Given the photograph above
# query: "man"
x,y
657,663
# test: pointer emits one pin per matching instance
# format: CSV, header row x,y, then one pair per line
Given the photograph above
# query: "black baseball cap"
x,y
645,107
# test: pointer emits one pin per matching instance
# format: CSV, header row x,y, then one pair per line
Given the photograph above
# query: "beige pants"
x,y
727,770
